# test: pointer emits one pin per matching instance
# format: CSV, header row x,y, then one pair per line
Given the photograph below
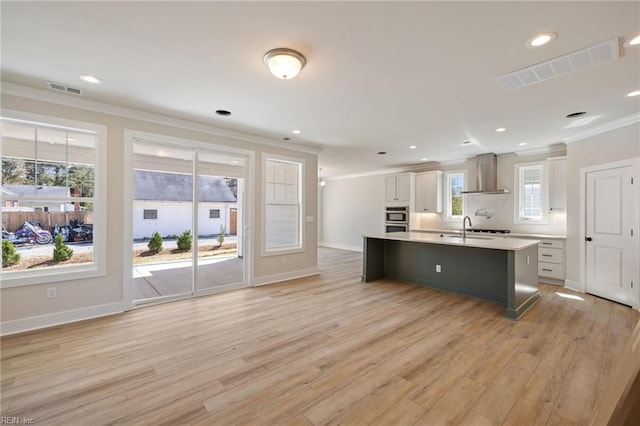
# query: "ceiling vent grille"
x,y
59,87
600,53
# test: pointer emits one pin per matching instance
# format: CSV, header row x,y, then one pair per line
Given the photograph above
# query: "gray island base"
x,y
503,270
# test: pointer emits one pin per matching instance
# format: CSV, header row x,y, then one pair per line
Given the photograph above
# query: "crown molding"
x,y
120,111
606,127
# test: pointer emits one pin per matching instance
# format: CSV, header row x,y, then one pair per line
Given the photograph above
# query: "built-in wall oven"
x,y
396,219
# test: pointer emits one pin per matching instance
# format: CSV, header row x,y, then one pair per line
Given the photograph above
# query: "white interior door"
x,y
611,248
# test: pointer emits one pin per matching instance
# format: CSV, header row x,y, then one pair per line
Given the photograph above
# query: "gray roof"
x,y
154,186
35,191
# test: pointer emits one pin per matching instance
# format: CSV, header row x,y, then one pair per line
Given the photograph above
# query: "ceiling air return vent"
x,y
59,87
600,53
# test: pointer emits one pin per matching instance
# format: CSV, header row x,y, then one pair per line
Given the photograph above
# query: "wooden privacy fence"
x,y
14,220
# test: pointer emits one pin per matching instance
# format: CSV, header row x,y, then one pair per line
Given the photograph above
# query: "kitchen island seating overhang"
x,y
503,270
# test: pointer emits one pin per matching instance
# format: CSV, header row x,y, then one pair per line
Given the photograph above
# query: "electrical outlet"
x,y
438,268
52,293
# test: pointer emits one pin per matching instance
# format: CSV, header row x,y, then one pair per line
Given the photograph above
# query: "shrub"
x,y
155,243
61,251
223,230
9,255
185,240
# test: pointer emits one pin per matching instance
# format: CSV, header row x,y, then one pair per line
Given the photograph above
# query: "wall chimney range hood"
x,y
486,176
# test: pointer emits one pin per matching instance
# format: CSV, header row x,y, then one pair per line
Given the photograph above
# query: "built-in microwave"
x,y
396,227
396,215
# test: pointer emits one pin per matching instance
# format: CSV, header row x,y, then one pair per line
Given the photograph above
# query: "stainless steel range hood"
x,y
487,176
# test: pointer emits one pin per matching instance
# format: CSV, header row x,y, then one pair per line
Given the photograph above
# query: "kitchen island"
x,y
503,270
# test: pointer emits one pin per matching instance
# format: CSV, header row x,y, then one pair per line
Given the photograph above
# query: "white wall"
x,y
174,218
616,145
351,207
28,306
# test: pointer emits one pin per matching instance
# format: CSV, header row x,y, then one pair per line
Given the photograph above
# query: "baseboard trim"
x,y
574,285
59,318
285,276
341,247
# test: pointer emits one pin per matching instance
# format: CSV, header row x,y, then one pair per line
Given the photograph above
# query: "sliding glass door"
x,y
187,221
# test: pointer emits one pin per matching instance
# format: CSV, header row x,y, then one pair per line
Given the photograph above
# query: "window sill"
x,y
14,279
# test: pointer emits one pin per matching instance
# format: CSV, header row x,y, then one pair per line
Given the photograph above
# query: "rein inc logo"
x,y
5,420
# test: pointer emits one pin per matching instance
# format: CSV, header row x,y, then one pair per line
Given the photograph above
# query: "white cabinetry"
x,y
429,192
557,184
551,261
398,188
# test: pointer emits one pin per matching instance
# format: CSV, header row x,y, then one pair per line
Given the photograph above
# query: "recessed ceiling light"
x,y
296,132
412,147
223,112
424,159
541,39
90,79
633,42
501,129
576,114
632,94
522,143
234,162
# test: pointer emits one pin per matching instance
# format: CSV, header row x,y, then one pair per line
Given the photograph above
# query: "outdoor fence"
x,y
13,221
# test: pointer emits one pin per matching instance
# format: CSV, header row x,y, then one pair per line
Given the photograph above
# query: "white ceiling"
x,y
380,76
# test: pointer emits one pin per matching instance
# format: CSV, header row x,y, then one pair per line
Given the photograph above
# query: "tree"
x,y
232,183
185,240
82,178
9,255
155,243
223,230
61,251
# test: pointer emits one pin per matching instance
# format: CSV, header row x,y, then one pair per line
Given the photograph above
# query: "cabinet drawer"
x,y
551,244
551,270
550,255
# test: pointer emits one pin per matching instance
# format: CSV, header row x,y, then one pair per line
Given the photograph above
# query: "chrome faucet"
x,y
464,228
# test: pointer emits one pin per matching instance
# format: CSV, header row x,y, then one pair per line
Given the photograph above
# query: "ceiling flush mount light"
x,y
424,159
632,94
522,143
501,129
90,79
284,63
541,39
633,42
296,132
412,147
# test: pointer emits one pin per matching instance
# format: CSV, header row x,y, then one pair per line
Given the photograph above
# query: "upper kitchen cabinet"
x,y
557,184
429,192
398,188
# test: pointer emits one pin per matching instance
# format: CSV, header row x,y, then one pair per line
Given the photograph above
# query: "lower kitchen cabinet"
x,y
551,261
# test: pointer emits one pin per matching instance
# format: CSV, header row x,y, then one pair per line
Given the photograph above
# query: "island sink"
x,y
503,270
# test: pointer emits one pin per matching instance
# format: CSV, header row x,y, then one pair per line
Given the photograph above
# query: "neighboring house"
x,y
162,202
11,190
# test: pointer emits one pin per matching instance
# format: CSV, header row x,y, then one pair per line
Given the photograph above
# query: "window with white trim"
x,y
52,183
282,204
532,193
454,199
214,213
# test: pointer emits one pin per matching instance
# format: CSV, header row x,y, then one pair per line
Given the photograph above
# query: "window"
x,y
150,214
53,174
454,199
283,205
531,184
214,213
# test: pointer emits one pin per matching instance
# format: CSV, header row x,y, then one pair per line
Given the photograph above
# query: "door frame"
x,y
130,137
635,219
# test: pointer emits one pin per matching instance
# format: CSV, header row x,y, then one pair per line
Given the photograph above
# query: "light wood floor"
x,y
320,350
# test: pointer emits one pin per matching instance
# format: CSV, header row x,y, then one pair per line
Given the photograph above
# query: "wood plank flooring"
x,y
322,350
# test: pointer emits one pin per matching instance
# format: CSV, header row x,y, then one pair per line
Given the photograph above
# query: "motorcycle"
x,y
31,232
74,232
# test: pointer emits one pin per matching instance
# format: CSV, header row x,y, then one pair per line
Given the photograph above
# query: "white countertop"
x,y
479,241
509,235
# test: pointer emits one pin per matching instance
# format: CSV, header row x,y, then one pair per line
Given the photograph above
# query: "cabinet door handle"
x,y
547,244
426,210
547,255
547,270
588,239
